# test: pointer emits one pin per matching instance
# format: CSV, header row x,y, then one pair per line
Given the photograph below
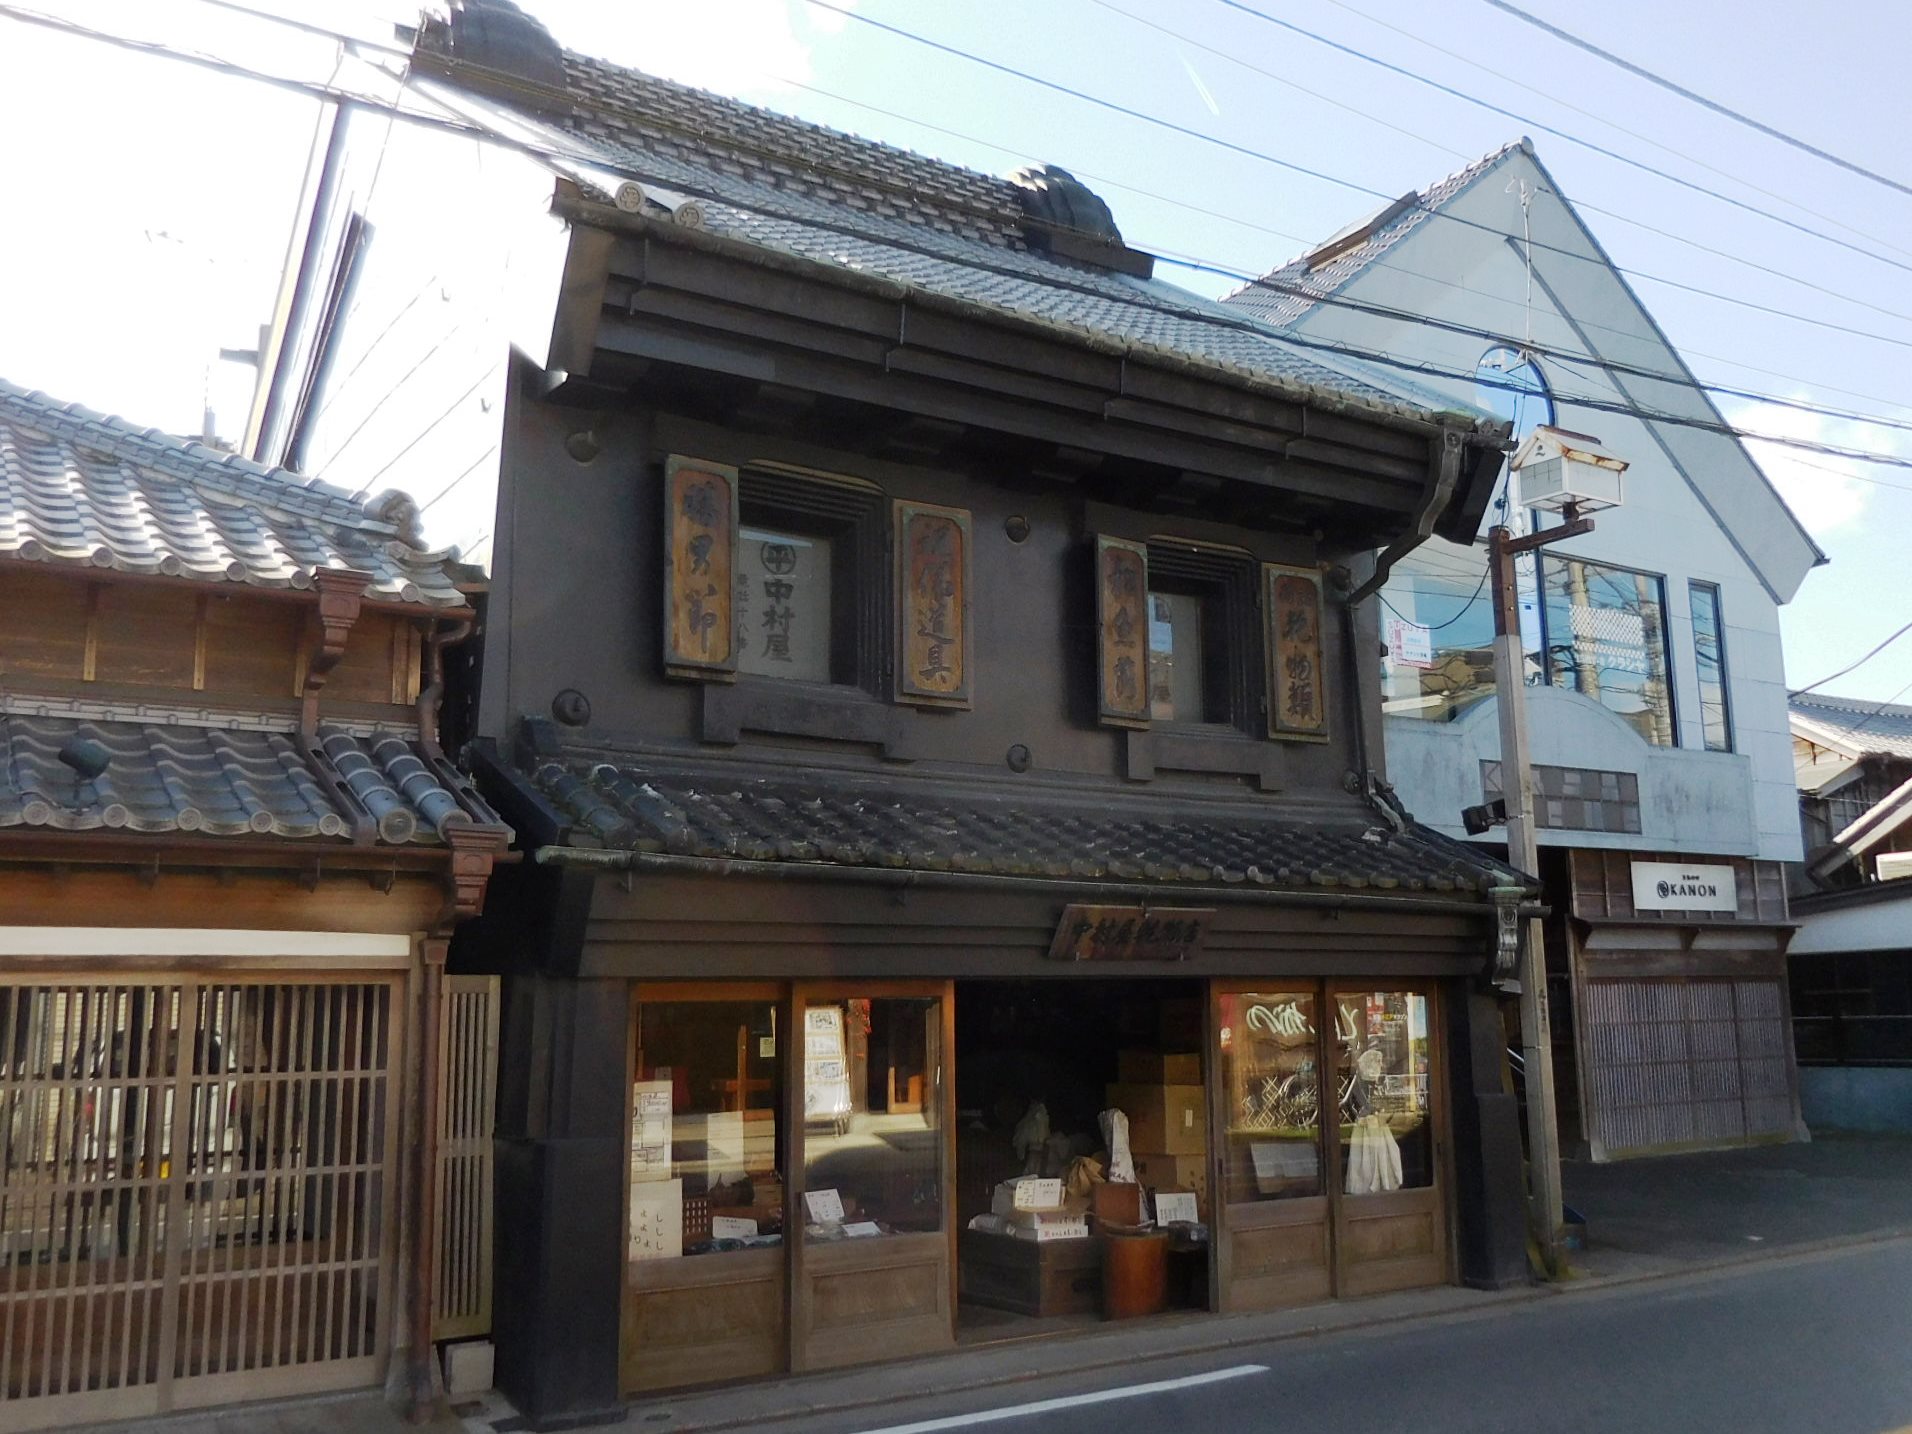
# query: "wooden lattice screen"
x,y
195,1192
468,1087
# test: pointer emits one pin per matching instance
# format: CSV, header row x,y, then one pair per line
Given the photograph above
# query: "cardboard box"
x,y
1161,1171
1171,1118
1158,1068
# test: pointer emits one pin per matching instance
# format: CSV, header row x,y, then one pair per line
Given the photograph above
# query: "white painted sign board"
x,y
1409,644
1676,886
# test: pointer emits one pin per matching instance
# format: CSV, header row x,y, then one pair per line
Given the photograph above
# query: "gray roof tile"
x,y
1854,726
80,489
722,815
230,782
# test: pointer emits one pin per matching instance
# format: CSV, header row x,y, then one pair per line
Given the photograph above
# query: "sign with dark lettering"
x,y
932,546
1677,886
1297,679
1121,602
700,535
1130,933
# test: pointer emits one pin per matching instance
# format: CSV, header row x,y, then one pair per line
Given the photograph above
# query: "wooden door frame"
x,y
802,994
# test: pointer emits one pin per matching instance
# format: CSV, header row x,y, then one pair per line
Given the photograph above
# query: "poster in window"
x,y
1121,602
932,546
700,539
1297,679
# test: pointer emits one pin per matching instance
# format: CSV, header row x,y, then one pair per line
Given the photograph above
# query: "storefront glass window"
x,y
783,605
1605,631
1269,1070
704,1138
1382,1061
872,1115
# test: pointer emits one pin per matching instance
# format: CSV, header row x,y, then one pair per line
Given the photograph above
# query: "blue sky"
x,y
149,203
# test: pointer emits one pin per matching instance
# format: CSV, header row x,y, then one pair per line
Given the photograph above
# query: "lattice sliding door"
x,y
468,1093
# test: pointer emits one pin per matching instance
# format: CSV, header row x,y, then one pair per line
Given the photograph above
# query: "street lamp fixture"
x,y
1555,470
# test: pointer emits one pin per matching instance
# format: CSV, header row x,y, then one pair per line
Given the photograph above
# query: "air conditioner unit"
x,y
1894,865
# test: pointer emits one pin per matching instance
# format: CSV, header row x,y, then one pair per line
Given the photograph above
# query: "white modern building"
x,y
1655,683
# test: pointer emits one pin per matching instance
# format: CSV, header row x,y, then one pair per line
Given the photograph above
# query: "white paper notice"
x,y
1409,644
657,1220
1175,1209
826,1074
1283,1160
1038,1194
729,1227
825,1207
862,1229
724,1131
651,1130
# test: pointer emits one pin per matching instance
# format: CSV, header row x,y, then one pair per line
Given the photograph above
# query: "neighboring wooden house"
x,y
1655,686
231,854
920,661
1851,962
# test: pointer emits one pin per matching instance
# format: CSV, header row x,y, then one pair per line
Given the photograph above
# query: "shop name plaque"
x,y
1130,933
1670,886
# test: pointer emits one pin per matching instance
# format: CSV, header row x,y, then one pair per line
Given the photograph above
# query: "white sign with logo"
x,y
1409,644
1675,886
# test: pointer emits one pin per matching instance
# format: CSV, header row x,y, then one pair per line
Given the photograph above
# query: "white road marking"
x,y
1073,1401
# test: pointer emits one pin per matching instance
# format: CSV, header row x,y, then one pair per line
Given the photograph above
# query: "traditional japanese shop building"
x,y
231,856
927,664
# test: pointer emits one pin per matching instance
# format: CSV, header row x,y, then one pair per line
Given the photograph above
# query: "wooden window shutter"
x,y
1122,623
1297,676
700,563
932,603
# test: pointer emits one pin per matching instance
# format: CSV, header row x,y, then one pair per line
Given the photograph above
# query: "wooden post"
x,y
1517,788
424,1398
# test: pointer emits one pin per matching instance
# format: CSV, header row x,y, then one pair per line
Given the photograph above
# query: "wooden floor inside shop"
x,y
1037,1062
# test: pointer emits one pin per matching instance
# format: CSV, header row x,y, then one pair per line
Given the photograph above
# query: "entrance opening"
x,y
1037,1062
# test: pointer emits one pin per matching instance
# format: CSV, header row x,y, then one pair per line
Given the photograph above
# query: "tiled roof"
x,y
850,203
81,489
1853,726
231,782
1285,294
716,814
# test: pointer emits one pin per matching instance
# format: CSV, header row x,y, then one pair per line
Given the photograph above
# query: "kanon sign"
x,y
1674,886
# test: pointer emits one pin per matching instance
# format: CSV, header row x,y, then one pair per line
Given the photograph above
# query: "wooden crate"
x,y
1052,1278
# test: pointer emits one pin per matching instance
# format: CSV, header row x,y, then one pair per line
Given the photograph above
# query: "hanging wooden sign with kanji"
x,y
1297,679
1122,617
700,537
932,547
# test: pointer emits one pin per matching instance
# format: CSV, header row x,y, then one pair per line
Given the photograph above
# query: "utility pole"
x,y
1523,853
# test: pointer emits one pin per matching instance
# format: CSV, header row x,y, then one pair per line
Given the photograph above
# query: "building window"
x,y
1709,659
1204,658
809,582
1603,631
1576,798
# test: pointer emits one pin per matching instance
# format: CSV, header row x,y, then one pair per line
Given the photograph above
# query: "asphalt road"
x,y
1818,1343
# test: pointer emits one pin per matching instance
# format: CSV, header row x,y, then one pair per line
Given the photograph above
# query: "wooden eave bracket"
x,y
474,851
341,595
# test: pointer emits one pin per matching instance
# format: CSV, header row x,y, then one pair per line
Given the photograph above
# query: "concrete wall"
x,y
1671,522
1856,1098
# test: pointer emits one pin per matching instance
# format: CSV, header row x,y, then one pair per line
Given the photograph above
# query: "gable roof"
x,y
1778,554
844,202
80,489
1852,728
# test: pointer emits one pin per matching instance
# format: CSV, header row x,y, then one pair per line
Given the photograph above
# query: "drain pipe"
x,y
1444,473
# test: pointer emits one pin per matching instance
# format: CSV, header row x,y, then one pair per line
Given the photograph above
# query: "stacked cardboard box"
x,y
1162,1095
1034,1209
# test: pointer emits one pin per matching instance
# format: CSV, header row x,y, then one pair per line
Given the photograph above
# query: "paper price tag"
x,y
1176,1209
1038,1194
825,1207
862,1229
729,1227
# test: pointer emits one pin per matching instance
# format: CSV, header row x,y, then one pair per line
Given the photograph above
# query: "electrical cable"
x,y
550,154
1852,666
1641,72
1546,128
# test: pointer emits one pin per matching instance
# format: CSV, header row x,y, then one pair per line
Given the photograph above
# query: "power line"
x,y
1258,329
1554,97
1701,100
1518,118
1853,666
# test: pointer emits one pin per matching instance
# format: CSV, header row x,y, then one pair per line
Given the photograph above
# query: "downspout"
x,y
436,641
1444,473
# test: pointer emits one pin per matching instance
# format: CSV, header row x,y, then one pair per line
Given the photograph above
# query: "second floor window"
x,y
1604,635
1709,661
1204,663
784,604
809,589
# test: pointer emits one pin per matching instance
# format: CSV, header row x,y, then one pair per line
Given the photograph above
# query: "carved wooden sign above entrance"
x,y
700,535
1130,933
1297,683
1121,600
932,547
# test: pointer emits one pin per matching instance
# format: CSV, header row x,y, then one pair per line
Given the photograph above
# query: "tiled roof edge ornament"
x,y
495,45
1066,218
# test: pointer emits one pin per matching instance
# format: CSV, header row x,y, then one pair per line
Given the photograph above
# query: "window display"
x,y
1269,1069
873,1119
1381,1076
704,1151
